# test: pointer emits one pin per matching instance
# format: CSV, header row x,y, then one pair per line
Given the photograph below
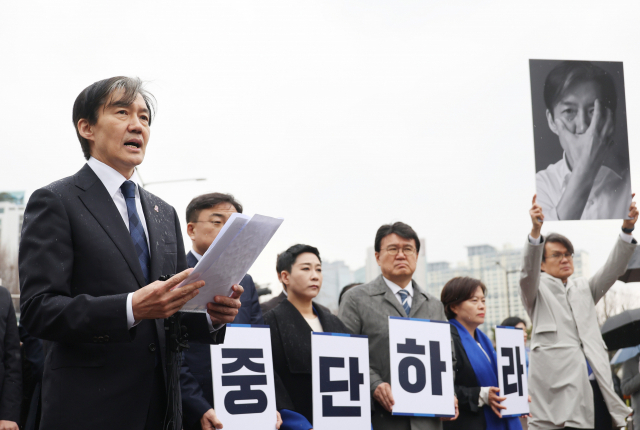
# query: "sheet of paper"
x,y
230,257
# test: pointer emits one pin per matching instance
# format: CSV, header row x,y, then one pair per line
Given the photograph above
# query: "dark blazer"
x,y
273,302
10,360
291,350
77,264
196,383
467,390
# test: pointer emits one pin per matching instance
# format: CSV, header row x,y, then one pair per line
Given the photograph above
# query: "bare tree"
x,y
618,299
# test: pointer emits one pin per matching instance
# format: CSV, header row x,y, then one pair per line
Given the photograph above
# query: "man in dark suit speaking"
x,y
92,247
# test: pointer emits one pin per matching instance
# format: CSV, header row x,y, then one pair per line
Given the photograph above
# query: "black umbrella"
x,y
622,330
633,268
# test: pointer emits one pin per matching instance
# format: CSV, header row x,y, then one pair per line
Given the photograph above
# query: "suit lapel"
x,y
419,298
381,288
155,229
100,204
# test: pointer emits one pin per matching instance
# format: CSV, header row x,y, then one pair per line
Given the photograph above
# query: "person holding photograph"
x,y
476,368
581,101
569,374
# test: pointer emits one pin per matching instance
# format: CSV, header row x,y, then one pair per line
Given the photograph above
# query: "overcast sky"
x,y
337,115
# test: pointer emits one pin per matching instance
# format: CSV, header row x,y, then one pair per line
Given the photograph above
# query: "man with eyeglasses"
x,y
569,375
365,309
206,215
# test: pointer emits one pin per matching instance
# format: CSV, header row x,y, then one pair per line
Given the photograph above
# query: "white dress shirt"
x,y
112,181
395,288
609,198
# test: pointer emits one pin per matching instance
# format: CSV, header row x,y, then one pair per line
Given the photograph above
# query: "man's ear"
x,y
378,258
190,231
85,130
552,124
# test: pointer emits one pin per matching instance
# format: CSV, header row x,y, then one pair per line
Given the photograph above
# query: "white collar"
x,y
395,287
111,178
195,254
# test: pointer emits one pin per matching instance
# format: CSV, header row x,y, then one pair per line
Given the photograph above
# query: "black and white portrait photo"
x,y
580,139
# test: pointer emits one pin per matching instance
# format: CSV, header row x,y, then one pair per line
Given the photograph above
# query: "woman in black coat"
x,y
291,323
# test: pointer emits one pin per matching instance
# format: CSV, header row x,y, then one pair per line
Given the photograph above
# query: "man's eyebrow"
x,y
123,103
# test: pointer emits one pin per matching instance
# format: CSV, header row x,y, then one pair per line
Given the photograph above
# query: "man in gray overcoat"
x,y
567,349
365,309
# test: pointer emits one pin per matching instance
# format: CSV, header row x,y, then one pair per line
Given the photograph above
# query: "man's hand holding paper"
x,y
224,309
161,299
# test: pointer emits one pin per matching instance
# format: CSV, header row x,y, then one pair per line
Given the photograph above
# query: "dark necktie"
x,y
405,301
135,227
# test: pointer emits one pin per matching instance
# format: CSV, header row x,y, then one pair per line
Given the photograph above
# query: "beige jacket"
x,y
565,332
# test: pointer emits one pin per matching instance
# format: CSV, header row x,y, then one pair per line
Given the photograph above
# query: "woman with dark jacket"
x,y
476,369
291,323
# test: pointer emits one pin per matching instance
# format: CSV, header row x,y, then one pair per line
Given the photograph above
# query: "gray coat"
x,y
365,310
565,332
631,386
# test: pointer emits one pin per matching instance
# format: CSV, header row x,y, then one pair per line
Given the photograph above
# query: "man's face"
x,y
399,265
210,221
557,263
575,110
119,138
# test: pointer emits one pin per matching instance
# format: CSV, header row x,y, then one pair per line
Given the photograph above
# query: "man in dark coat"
x,y
92,247
206,214
11,366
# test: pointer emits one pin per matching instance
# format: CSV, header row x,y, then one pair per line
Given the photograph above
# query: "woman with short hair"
x,y
291,324
476,369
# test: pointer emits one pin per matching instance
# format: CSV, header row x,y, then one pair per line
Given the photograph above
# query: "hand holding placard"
x,y
243,378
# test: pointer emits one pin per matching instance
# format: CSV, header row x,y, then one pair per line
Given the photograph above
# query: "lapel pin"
x,y
155,208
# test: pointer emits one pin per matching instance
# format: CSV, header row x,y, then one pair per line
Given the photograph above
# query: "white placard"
x,y
243,388
340,379
512,366
421,367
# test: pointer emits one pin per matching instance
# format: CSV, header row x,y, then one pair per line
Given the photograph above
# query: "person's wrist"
x,y
627,227
535,232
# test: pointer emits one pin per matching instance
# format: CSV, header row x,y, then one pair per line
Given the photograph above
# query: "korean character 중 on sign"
x,y
340,379
421,367
243,381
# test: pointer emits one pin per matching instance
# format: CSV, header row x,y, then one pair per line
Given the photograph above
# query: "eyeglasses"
x,y
407,250
558,256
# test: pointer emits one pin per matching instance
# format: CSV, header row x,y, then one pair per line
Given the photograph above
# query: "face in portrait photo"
x,y
580,139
